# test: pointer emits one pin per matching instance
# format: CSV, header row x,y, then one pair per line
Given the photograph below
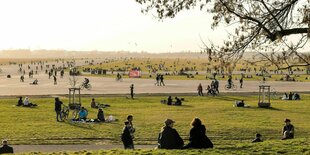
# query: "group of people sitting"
x,y
83,113
291,96
287,132
169,101
25,103
94,104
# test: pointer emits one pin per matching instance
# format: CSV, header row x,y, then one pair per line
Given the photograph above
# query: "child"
x,y
126,136
257,138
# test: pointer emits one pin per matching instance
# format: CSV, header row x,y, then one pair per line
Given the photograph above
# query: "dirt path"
x,y
59,148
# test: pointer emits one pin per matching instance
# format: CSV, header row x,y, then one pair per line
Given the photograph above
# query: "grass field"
x,y
225,123
176,64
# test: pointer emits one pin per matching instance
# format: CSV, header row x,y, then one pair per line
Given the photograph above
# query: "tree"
x,y
278,30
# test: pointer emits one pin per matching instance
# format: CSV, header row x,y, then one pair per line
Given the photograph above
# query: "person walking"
x,y
199,89
241,82
55,80
58,104
162,80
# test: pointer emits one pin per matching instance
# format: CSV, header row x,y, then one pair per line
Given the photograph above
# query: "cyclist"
x,y
86,82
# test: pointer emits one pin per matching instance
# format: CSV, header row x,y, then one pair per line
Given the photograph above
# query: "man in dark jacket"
x,y
58,104
288,130
127,139
169,138
6,148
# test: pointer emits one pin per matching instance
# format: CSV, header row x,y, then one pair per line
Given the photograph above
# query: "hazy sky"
x,y
107,25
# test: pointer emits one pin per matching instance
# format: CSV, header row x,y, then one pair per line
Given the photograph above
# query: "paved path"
x,y
59,148
13,86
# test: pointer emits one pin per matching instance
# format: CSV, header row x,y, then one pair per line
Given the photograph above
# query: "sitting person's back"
x,y
6,148
93,103
296,96
83,114
100,115
239,103
169,138
169,101
20,101
178,101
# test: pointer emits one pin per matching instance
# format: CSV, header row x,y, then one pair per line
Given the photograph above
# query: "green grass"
x,y
223,121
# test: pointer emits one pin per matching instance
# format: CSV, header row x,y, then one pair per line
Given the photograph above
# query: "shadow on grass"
x,y
79,125
226,98
271,108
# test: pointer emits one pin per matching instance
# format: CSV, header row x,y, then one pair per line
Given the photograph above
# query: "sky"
x,y
102,25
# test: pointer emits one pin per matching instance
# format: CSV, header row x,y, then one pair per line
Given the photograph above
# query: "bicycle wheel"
x,y
75,114
234,87
226,87
89,87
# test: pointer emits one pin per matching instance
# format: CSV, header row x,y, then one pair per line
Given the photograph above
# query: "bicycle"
x,y
86,86
274,94
119,79
64,113
76,110
232,86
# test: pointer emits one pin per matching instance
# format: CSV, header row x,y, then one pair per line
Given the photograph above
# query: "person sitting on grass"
x,y
20,101
178,101
27,103
6,148
285,96
100,115
83,114
288,130
169,100
93,103
127,139
197,137
169,138
258,138
296,96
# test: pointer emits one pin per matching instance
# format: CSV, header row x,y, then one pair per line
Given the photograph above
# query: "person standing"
x,y
58,104
199,89
241,82
127,139
131,90
6,148
131,129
